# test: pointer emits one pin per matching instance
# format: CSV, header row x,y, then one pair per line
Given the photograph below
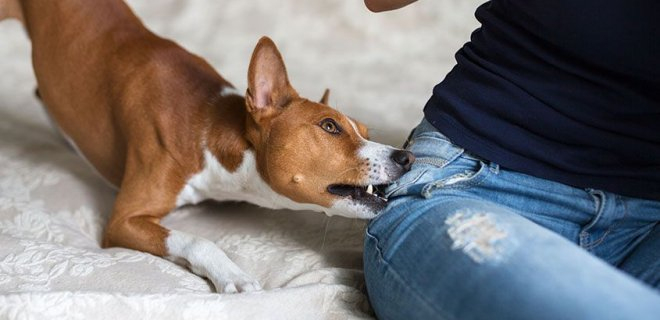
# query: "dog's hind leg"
x,y
10,9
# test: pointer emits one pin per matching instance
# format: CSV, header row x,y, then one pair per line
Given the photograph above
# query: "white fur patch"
x,y
245,184
342,206
207,260
381,167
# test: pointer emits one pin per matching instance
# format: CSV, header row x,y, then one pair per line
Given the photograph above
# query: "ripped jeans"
x,y
463,238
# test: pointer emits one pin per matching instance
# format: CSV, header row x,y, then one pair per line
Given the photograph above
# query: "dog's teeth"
x,y
370,189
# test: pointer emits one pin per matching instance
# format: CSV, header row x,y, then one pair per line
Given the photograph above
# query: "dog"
x,y
163,127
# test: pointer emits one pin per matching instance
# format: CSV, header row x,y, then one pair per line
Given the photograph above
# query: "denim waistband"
x,y
432,147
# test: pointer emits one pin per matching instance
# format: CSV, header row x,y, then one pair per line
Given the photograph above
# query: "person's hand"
x,y
386,5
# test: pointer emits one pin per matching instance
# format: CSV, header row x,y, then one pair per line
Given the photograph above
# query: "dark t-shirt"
x,y
566,90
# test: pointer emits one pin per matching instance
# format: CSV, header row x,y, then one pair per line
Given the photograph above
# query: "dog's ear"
x,y
269,89
326,95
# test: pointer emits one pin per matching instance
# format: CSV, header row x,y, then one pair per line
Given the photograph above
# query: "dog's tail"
x,y
11,9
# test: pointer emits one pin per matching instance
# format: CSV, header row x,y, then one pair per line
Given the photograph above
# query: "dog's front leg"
x,y
207,260
142,202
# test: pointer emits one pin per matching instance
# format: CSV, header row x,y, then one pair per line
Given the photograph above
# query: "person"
x,y
535,193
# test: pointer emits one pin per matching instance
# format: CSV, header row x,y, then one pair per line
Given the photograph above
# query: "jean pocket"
x,y
402,186
434,148
459,177
424,179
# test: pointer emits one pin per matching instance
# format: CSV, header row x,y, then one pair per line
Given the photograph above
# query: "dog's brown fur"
x,y
139,108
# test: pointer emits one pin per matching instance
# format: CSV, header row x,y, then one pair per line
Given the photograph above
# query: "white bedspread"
x,y
380,68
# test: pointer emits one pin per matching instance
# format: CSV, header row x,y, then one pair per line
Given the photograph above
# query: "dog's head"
x,y
310,152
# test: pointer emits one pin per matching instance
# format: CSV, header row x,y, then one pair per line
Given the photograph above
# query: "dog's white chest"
x,y
216,182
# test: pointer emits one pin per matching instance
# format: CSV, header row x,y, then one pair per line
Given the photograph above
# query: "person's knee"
x,y
425,251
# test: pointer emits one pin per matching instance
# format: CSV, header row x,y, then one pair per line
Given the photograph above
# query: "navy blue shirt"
x,y
566,90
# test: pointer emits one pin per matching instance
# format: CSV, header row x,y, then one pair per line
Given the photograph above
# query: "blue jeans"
x,y
463,238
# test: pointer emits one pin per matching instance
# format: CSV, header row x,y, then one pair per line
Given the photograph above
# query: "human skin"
x,y
386,5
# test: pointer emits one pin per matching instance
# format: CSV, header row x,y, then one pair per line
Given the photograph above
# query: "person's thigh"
x,y
457,257
644,262
463,239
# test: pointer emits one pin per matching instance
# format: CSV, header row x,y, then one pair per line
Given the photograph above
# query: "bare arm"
x,y
386,5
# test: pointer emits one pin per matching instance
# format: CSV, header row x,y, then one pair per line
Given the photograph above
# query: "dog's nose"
x,y
403,158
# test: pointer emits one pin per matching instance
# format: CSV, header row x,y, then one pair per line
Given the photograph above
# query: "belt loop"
x,y
494,167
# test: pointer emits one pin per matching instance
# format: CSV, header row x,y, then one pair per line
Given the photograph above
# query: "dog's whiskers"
x,y
341,174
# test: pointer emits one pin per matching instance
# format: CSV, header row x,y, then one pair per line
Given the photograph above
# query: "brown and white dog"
x,y
162,126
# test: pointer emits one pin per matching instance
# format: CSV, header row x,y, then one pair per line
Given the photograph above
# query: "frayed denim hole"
x,y
480,236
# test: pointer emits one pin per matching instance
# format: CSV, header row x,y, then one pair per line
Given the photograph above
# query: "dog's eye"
x,y
330,126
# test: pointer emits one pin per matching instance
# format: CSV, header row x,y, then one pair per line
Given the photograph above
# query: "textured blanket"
x,y
380,69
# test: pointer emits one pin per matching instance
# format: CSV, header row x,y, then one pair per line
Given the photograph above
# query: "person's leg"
x,y
444,249
644,262
455,258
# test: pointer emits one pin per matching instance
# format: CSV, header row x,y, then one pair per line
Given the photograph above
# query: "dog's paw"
x,y
207,260
235,283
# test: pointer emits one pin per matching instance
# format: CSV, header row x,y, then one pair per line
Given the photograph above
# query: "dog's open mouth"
x,y
365,194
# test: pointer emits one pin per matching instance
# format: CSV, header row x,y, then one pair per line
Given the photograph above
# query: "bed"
x,y
380,69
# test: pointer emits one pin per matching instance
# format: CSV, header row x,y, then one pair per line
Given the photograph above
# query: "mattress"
x,y
380,69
